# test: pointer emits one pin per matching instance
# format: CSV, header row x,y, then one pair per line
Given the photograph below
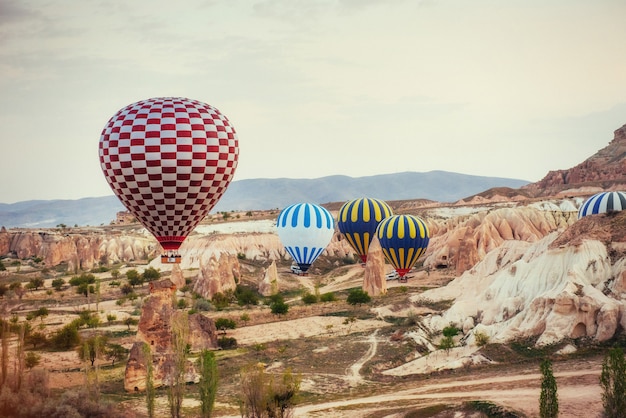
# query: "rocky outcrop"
x,y
79,248
218,275
269,284
605,169
461,242
374,280
155,339
538,289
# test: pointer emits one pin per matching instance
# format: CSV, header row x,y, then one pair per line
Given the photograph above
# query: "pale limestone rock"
x,y
177,277
374,280
217,275
269,284
155,332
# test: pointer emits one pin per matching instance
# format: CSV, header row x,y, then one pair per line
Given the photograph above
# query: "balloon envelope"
x,y
403,238
169,160
305,230
602,203
357,221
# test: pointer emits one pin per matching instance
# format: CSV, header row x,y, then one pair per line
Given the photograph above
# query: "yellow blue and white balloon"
x,y
403,239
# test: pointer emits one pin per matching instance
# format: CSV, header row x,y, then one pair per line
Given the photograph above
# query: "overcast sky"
x,y
499,88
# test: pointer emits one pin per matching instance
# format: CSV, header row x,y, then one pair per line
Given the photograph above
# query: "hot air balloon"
x,y
169,160
403,239
305,230
357,221
602,203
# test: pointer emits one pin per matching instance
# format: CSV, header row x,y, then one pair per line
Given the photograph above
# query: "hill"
x,y
262,194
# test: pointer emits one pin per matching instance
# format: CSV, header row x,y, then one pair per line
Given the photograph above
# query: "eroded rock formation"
x,y
155,337
218,275
374,280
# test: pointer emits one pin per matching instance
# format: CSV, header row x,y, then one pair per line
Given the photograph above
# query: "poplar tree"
x,y
613,382
208,383
548,400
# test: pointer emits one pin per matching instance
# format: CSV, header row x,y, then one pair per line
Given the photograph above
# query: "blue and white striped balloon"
x,y
602,203
305,230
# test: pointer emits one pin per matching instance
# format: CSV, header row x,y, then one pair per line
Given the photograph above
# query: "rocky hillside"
x,y
605,170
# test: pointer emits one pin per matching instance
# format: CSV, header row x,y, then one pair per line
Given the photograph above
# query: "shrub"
x,y
358,297
226,343
481,338
328,297
58,284
202,304
67,337
309,298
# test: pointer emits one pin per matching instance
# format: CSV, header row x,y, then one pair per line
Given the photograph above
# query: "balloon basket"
x,y
170,258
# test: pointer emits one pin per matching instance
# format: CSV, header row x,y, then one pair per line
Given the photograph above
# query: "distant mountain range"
x,y
262,194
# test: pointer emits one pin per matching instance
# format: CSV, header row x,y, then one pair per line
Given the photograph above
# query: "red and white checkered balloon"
x,y
169,160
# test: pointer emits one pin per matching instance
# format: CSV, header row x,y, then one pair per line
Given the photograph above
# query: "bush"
x,y
202,304
226,343
67,337
309,298
358,297
246,296
58,284
328,297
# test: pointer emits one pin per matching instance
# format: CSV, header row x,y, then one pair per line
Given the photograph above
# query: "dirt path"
x,y
354,371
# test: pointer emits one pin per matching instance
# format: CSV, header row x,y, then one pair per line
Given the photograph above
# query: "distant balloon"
x,y
169,160
403,238
305,230
357,221
602,203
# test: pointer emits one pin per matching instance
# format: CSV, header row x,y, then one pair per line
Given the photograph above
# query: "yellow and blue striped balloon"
x,y
305,230
358,220
403,238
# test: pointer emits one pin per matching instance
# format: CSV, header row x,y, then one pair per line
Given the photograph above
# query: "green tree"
x,y
151,274
150,389
208,383
36,339
86,278
31,360
115,352
58,284
548,399
613,382
130,321
35,283
67,337
225,323
180,336
358,297
134,278
92,348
